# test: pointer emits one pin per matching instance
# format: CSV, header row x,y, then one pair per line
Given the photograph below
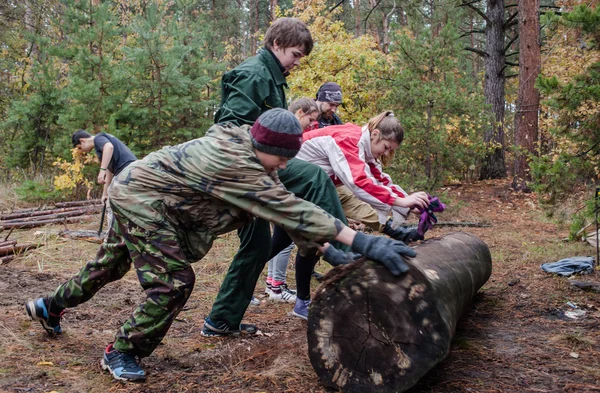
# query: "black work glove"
x,y
404,234
383,250
336,257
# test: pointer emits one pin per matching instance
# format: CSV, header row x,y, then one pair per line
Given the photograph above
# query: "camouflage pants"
x,y
164,273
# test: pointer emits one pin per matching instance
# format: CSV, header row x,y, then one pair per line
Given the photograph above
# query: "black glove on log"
x,y
404,234
336,257
383,250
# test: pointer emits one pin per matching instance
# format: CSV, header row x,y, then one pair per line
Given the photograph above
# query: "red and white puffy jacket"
x,y
344,152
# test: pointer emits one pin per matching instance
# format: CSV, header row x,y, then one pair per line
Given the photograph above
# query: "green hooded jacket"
x,y
259,79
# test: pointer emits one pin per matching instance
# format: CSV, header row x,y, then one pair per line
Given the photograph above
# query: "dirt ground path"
x,y
516,336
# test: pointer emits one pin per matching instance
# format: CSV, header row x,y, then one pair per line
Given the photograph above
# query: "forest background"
x,y
484,89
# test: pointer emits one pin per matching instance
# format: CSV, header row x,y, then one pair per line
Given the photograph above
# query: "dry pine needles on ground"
x,y
516,337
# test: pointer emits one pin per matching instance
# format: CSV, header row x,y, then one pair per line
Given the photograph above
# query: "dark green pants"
x,y
238,286
162,269
305,180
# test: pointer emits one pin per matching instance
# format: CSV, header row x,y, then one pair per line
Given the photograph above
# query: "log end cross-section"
x,y
369,331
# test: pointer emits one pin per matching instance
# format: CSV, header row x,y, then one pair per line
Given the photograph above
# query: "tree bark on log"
x,y
369,331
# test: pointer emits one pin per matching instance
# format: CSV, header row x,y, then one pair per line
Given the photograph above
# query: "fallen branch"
x,y
6,259
89,236
33,224
8,243
79,203
9,232
30,209
17,248
72,213
15,216
585,285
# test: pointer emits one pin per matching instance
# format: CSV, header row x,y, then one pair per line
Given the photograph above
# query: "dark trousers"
x,y
238,286
305,180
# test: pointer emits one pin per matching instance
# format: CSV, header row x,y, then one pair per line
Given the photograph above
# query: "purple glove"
x,y
427,217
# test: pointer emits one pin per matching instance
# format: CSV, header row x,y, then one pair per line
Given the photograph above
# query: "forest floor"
x,y
516,337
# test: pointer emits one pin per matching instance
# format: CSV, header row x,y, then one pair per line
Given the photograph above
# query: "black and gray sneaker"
x,y
38,310
220,329
123,366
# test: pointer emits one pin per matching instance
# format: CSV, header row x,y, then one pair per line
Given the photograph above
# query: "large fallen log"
x,y
369,331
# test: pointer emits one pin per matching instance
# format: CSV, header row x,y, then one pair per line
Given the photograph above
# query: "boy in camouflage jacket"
x,y
169,208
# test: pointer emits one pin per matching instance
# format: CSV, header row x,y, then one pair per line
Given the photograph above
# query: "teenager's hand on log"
x,y
383,250
404,234
336,257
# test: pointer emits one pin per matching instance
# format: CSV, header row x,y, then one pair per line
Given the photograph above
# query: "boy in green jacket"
x,y
169,208
247,91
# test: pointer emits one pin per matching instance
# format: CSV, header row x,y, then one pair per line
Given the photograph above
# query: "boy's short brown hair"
x,y
289,32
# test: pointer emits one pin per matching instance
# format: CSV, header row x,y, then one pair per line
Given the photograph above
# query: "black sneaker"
x,y
123,366
37,310
220,329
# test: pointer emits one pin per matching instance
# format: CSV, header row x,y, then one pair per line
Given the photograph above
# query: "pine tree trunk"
x,y
357,31
493,166
273,7
528,101
369,331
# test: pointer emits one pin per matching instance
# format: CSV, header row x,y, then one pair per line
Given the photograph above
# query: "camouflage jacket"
x,y
209,186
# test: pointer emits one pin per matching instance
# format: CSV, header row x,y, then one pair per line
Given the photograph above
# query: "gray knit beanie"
x,y
277,132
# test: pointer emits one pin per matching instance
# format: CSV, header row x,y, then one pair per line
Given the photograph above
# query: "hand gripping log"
x,y
369,331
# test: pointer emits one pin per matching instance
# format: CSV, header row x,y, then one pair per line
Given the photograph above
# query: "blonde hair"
x,y
306,104
389,129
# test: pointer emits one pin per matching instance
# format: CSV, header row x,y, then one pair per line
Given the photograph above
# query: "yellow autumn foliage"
x,y
339,57
72,175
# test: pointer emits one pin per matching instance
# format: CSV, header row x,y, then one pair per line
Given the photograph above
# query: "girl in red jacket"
x,y
351,155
